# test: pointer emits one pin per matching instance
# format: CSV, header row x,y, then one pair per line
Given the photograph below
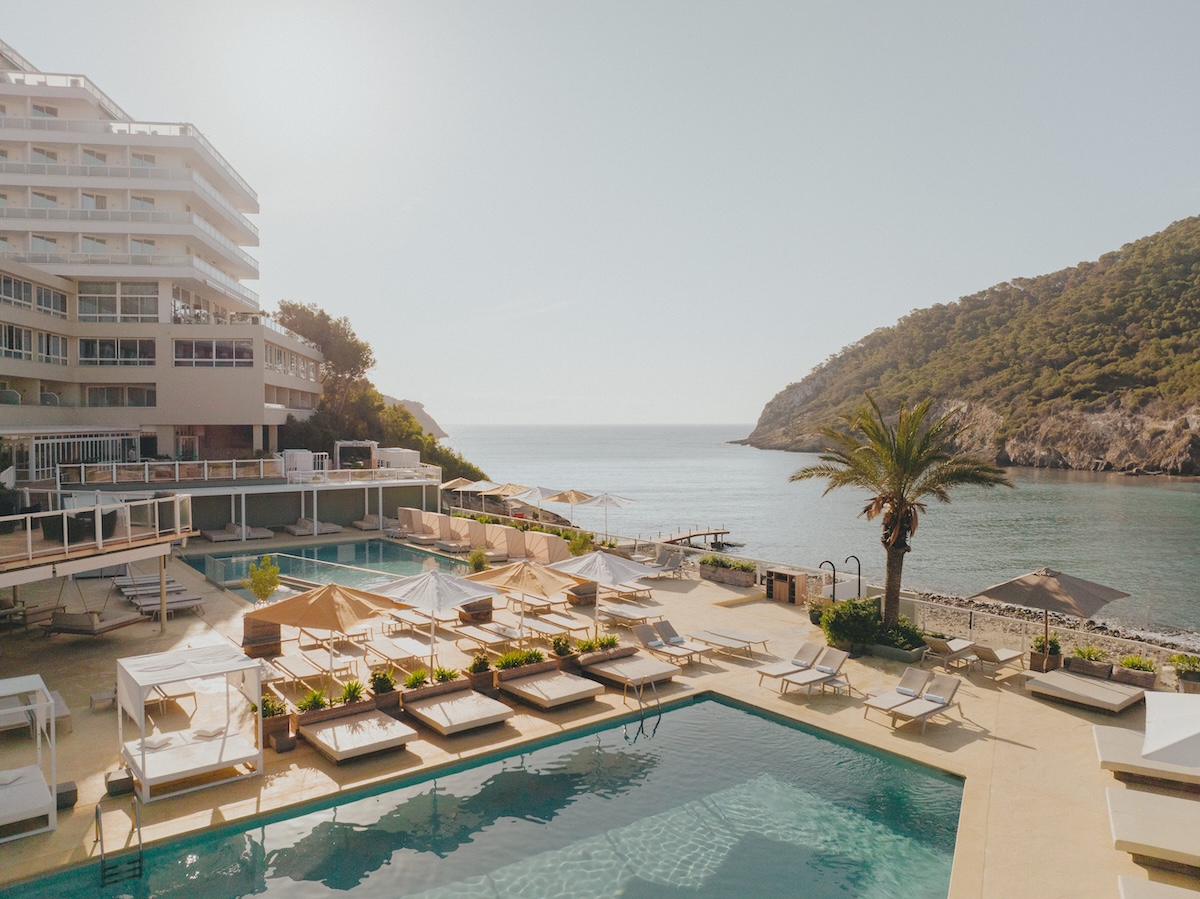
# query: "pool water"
x,y
706,800
360,563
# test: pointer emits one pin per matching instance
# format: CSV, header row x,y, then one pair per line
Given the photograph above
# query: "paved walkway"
x,y
1033,815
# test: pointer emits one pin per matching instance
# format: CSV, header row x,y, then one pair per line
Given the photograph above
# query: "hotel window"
x,y
16,343
52,348
39,243
93,201
40,154
3,199
141,396
51,302
106,396
93,244
145,160
97,301
214,353
139,302
141,204
42,111
141,247
39,200
115,351
16,292
94,157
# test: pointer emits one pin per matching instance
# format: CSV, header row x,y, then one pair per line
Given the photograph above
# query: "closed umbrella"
x,y
526,579
571,497
607,501
435,592
1053,591
1172,728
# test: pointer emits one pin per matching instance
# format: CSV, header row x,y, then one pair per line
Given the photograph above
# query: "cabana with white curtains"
x,y
163,759
27,793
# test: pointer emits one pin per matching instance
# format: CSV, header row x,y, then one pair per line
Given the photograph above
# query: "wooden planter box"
x,y
276,724
1039,661
388,702
603,655
1189,681
729,576
338,711
526,670
478,612
907,656
435,689
569,663
1089,668
484,682
1144,679
583,595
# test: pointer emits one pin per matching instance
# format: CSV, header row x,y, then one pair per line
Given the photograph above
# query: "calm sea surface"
x,y
1136,534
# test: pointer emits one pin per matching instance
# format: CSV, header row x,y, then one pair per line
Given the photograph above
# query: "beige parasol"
x,y
526,579
506,490
571,498
454,485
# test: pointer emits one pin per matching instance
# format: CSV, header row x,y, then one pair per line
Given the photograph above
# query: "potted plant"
x,y
419,686
852,624
1042,660
383,686
1136,669
477,561
480,675
602,649
1187,669
262,580
903,643
275,719
522,662
724,570
1089,660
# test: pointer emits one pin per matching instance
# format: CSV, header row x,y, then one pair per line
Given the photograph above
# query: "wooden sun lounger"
x,y
1157,830
172,586
827,669
626,616
543,630
462,710
567,622
1120,751
342,739
748,639
300,669
402,652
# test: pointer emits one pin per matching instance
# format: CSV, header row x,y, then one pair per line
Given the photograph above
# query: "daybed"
x,y
1083,689
91,624
342,739
233,531
462,710
25,795
373,522
1120,751
307,527
1157,830
550,689
628,669
185,753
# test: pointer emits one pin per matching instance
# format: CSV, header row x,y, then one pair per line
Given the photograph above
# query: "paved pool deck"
x,y
1034,814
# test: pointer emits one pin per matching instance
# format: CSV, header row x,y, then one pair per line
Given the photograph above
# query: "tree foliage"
x,y
347,358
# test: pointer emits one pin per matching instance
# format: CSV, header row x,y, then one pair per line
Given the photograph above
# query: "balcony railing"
x,y
138,216
232,286
422,473
45,79
91,473
92,126
148,173
263,319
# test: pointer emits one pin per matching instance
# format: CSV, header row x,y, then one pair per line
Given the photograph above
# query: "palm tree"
x,y
899,466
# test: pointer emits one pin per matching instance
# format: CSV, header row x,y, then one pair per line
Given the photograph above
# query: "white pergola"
x,y
26,793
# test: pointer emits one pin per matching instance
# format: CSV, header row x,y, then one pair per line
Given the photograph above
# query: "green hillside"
x,y
1115,336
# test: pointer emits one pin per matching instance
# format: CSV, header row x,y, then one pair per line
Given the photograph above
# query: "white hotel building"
x,y
125,326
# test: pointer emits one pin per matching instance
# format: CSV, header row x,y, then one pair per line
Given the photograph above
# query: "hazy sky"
x,y
654,211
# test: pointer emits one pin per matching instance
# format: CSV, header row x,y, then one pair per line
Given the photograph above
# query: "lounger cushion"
x,y
906,691
340,739
1105,695
633,671
1158,828
551,689
462,710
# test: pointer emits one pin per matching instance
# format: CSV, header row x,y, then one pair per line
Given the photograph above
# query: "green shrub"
x,y
608,641
561,645
585,645
718,561
580,543
271,707
1184,662
262,580
1039,644
480,664
444,675
416,679
1090,653
477,560
352,691
312,701
533,656
382,681
514,659
1138,663
905,635
854,621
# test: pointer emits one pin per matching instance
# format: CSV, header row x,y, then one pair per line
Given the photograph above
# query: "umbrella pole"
x,y
432,643
1046,643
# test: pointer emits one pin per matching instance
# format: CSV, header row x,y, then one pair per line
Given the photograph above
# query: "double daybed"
x,y
233,531
1156,830
1120,751
1096,692
458,711
545,687
307,527
624,668
355,736
27,801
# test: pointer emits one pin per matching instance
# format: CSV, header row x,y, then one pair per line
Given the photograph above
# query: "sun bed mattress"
x,y
551,689
1106,695
341,739
187,754
452,713
25,796
633,671
1157,828
1120,751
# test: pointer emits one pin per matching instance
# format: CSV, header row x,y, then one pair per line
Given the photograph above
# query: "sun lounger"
x,y
486,640
300,669
401,652
453,546
1120,751
937,697
151,589
1080,689
949,652
633,591
342,739
724,644
372,522
805,658
176,602
543,630
626,616
671,566
993,661
1157,830
24,795
509,633
634,671
667,631
567,622
748,639
462,710
551,689
656,645
912,683
535,604
828,667
307,527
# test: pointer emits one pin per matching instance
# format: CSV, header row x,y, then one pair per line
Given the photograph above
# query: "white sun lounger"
x,y
667,631
462,710
936,698
487,640
551,689
827,668
342,739
724,644
912,682
748,639
401,652
656,645
805,658
567,622
625,615
543,630
1157,830
1120,751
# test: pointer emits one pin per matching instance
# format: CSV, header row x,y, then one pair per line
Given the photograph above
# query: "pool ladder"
x,y
642,709
127,865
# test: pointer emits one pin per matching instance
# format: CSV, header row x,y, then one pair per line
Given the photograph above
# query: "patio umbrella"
x,y
455,484
506,490
535,495
434,592
571,498
607,501
606,569
1053,591
332,607
1172,728
527,579
477,487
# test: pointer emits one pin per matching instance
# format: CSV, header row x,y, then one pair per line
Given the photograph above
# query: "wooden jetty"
x,y
711,536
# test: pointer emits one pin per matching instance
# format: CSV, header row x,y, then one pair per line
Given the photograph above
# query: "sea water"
x,y
1137,534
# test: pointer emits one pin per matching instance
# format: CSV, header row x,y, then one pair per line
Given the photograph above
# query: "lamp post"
x,y
833,568
857,562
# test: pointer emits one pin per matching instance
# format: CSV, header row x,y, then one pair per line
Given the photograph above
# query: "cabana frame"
x,y
27,795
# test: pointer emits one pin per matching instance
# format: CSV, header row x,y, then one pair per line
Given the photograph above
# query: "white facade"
x,y
122,303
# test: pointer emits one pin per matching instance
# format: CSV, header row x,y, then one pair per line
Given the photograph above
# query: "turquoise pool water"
x,y
359,563
708,800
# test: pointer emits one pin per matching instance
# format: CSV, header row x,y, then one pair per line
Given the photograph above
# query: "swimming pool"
x,y
359,563
711,799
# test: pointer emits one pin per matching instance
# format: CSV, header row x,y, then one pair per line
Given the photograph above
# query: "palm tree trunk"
x,y
891,584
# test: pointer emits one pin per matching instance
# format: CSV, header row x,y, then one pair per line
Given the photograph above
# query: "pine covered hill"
x,y
1094,367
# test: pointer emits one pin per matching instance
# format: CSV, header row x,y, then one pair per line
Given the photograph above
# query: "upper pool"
x,y
708,800
360,563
